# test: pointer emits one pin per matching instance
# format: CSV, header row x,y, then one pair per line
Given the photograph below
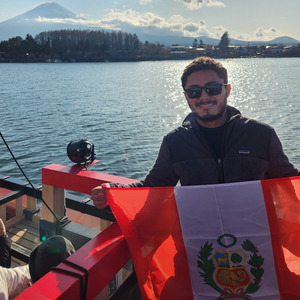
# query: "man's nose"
x,y
204,94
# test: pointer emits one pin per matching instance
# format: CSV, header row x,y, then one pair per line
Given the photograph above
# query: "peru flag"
x,y
226,241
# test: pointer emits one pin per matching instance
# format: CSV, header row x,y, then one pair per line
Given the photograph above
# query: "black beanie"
x,y
49,254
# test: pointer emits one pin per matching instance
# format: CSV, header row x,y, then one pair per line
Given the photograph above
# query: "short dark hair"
x,y
204,63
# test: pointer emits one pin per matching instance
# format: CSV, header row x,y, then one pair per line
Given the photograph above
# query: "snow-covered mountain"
x,y
30,22
33,22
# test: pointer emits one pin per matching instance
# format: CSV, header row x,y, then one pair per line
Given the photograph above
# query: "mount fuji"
x,y
33,21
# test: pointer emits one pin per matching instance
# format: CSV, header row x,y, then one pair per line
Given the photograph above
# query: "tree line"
x,y
81,45
100,45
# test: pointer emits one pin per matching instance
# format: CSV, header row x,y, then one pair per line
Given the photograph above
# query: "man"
x,y
215,143
45,256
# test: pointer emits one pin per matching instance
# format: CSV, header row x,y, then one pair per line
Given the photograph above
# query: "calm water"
x,y
126,108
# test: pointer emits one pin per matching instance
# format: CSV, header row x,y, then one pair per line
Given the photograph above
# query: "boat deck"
x,y
25,237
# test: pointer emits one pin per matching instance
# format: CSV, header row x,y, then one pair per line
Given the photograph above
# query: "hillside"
x,y
32,22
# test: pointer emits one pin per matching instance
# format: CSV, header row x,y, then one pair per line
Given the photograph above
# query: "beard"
x,y
210,117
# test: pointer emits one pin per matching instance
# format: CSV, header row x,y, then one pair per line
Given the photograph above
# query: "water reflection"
x,y
126,108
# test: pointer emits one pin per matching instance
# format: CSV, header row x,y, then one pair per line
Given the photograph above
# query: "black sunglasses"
x,y
211,90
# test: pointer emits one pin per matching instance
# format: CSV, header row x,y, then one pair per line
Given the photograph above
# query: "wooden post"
x,y
55,199
32,206
19,208
31,203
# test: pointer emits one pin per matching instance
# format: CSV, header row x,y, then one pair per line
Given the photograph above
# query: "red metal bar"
x,y
102,256
77,178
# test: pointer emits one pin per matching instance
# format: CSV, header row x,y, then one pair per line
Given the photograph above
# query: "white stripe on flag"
x,y
237,209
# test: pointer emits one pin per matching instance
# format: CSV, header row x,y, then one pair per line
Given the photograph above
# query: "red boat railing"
x,y
88,271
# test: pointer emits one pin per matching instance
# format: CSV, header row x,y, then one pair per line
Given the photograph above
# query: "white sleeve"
x,y
14,280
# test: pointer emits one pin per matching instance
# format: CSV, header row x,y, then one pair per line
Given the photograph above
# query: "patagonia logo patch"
x,y
244,152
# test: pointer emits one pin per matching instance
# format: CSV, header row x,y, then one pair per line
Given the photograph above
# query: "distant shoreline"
x,y
132,60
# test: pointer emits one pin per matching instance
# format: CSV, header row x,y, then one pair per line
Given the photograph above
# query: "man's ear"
x,y
228,89
185,95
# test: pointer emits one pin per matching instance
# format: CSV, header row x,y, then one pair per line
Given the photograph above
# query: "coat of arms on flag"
x,y
226,271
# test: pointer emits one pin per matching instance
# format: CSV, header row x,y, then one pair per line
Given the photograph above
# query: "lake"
x,y
125,109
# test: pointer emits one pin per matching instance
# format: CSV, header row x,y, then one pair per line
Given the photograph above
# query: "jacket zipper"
x,y
220,170
221,176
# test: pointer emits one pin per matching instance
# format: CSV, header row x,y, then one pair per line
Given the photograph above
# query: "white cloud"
x,y
154,24
260,34
176,19
145,1
190,27
219,31
136,22
135,19
195,29
197,4
88,23
266,34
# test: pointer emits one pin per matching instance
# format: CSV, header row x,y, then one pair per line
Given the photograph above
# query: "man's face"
x,y
210,109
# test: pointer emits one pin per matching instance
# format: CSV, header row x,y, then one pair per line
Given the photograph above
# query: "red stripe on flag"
x,y
282,198
149,221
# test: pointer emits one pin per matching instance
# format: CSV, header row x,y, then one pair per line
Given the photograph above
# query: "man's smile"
x,y
206,104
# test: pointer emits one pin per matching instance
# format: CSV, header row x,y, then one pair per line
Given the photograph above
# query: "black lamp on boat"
x,y
81,152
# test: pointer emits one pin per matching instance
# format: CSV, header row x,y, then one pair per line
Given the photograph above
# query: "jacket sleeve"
x,y
280,166
5,251
162,172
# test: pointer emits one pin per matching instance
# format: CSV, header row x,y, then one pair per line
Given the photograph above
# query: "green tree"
x,y
201,44
15,47
224,43
195,43
29,45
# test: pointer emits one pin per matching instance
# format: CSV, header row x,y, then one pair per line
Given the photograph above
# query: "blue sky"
x,y
243,19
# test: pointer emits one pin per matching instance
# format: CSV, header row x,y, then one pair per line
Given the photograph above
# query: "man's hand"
x,y
99,195
2,228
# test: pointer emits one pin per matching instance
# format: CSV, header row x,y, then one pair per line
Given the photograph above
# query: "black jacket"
x,y
250,150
